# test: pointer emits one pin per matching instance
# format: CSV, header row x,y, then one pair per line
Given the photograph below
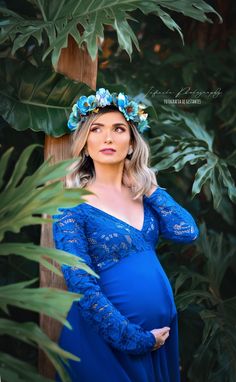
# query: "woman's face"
x,y
109,138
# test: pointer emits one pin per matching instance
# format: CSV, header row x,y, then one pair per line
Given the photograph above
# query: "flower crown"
x,y
131,110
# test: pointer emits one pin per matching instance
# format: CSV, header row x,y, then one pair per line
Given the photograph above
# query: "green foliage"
x,y
41,300
57,22
201,290
12,369
41,255
30,333
188,142
37,98
19,208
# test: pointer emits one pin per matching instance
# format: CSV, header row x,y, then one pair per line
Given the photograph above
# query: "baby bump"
x,y
138,286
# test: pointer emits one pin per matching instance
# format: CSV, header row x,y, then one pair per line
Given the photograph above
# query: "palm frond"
x,y
19,207
23,199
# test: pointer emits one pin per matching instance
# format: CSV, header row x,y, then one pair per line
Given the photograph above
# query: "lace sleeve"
x,y
96,309
175,222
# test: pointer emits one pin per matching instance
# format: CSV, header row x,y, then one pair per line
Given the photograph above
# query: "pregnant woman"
x,y
125,325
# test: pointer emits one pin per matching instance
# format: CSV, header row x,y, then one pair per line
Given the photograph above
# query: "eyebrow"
x,y
114,124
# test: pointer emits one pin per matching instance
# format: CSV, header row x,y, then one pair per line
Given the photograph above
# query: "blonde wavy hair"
x,y
136,174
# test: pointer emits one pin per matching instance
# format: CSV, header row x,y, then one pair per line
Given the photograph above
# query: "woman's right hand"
x,y
161,336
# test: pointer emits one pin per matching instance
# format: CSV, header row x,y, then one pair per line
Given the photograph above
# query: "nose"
x,y
108,138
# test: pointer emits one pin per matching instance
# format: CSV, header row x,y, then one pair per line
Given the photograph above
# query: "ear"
x,y
130,150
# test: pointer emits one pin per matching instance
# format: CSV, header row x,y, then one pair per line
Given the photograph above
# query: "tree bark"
x,y
76,64
204,34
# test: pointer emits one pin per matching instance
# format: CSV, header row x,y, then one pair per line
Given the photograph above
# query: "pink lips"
x,y
108,151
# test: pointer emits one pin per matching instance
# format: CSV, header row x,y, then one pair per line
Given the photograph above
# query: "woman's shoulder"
x,y
68,222
155,191
64,213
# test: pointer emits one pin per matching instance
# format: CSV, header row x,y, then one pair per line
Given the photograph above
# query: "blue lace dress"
x,y
112,322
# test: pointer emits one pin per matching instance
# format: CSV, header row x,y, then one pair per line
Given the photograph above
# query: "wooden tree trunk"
x,y
204,34
76,64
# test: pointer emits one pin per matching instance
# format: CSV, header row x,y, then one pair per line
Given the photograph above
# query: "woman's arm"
x,y
175,222
116,329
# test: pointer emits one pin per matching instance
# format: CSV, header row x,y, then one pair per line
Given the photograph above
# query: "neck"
x,y
109,176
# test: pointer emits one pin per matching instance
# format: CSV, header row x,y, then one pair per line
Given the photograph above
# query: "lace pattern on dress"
x,y
101,241
95,308
175,222
107,246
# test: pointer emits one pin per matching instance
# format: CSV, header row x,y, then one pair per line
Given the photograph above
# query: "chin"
x,y
109,160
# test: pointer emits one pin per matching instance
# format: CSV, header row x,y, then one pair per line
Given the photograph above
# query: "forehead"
x,y
111,118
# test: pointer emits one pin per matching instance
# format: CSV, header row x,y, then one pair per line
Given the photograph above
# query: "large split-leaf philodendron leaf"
x,y
37,98
58,20
189,142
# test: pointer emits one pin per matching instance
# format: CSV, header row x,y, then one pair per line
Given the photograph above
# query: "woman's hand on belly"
x,y
161,336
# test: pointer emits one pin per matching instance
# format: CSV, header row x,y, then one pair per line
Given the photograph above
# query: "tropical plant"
x,y
199,288
20,208
52,24
188,141
40,105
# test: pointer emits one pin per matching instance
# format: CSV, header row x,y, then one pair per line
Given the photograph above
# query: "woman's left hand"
x,y
161,336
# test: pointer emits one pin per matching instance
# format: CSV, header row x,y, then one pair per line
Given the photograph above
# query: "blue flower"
x,y
92,102
143,125
121,101
72,122
131,110
103,97
75,111
86,104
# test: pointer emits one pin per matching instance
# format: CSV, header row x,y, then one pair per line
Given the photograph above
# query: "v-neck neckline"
x,y
118,219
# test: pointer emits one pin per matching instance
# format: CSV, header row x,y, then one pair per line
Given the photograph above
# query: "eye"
x,y
95,129
120,129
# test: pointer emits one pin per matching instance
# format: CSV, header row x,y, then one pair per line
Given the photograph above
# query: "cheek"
x,y
92,142
124,142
